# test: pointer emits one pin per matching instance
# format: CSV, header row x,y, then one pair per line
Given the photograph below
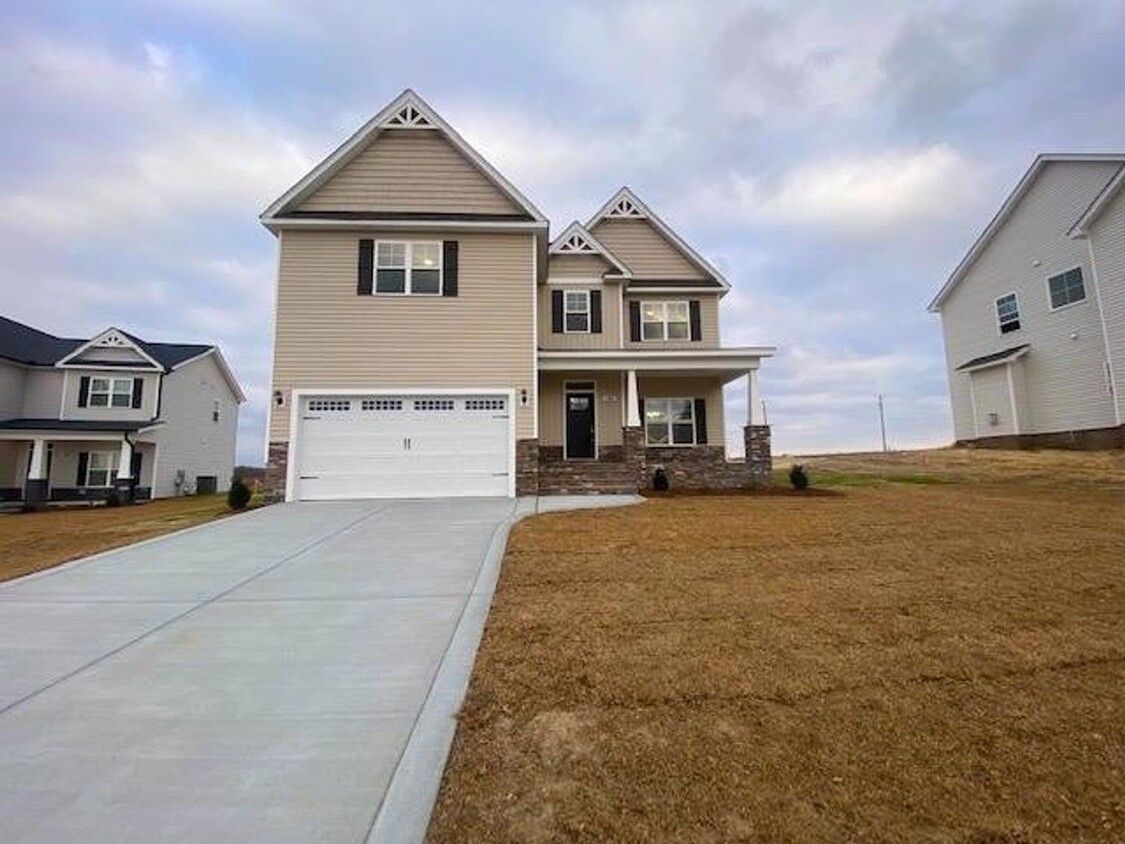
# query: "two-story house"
x,y
81,417
1034,315
432,340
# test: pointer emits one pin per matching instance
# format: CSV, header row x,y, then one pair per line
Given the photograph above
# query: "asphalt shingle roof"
x,y
24,344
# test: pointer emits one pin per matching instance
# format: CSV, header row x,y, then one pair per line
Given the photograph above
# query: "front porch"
x,y
40,465
608,421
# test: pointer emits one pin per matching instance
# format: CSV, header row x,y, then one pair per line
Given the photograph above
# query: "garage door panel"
x,y
403,446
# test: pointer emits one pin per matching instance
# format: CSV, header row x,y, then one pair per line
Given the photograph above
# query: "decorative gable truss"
x,y
626,205
112,346
576,240
407,111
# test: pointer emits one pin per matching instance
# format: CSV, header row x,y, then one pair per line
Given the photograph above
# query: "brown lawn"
x,y
919,661
33,541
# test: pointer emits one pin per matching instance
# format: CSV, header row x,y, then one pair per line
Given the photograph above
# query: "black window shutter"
x,y
84,391
696,321
366,275
595,312
700,422
556,312
138,392
83,461
449,268
635,321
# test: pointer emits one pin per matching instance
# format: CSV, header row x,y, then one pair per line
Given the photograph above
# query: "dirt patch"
x,y
35,541
900,662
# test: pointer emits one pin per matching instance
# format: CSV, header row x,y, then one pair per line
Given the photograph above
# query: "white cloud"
x,y
862,193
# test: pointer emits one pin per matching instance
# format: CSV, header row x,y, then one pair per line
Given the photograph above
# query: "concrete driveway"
x,y
262,678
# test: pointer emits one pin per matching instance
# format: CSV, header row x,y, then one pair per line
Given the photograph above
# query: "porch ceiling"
x,y
728,363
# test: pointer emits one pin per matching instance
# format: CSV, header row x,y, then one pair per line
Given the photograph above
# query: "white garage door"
x,y
409,446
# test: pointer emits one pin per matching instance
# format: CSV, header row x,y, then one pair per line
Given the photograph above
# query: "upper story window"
x,y
665,321
1066,288
407,268
111,392
576,311
1008,313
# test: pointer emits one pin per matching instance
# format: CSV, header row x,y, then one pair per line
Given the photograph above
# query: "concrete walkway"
x,y
286,675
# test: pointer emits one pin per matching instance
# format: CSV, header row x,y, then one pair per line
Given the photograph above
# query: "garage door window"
x,y
484,404
324,405
382,404
433,404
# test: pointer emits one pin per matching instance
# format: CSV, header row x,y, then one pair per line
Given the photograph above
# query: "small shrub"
x,y
239,495
798,477
113,500
660,479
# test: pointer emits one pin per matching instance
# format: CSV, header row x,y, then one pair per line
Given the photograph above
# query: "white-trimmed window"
x,y
670,421
111,392
407,268
1008,313
1066,288
576,311
101,466
665,321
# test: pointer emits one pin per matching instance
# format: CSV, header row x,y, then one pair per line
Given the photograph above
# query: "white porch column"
x,y
755,415
632,402
125,462
38,468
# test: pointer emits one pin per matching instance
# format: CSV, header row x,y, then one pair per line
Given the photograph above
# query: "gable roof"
x,y
1005,212
576,240
627,205
995,359
1102,201
407,111
110,338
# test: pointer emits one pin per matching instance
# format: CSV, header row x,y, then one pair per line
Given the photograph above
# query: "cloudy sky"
x,y
834,159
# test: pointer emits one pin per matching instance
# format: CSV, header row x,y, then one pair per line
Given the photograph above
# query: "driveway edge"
x,y
404,814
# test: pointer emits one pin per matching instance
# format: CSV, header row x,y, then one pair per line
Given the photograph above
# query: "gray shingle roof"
x,y
24,344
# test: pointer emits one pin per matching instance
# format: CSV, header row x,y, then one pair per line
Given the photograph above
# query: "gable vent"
x,y
576,244
112,340
625,207
409,117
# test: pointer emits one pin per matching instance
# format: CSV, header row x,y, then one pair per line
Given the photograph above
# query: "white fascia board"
x,y
713,291
1082,225
281,223
1001,217
715,360
359,139
221,362
62,436
92,342
662,227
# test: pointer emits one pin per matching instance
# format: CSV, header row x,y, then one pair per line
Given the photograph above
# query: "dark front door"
x,y
579,426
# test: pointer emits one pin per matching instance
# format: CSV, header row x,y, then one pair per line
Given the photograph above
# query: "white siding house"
x,y
1028,338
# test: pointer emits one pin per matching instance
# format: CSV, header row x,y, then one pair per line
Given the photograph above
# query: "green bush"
x,y
798,477
239,495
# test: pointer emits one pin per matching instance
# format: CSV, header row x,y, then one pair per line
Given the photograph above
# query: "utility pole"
x,y
882,423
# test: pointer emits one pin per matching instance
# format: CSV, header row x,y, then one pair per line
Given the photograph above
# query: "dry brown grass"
x,y
34,541
902,662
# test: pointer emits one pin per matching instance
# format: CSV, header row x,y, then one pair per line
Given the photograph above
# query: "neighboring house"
x,y
432,341
1034,315
79,417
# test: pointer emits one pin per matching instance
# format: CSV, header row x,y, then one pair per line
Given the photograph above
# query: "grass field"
x,y
34,541
938,660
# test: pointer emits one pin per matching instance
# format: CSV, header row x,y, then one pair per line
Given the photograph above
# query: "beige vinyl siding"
x,y
610,336
328,337
577,266
146,411
190,440
1107,241
708,321
11,390
990,390
706,387
644,249
1066,387
607,410
410,170
13,463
